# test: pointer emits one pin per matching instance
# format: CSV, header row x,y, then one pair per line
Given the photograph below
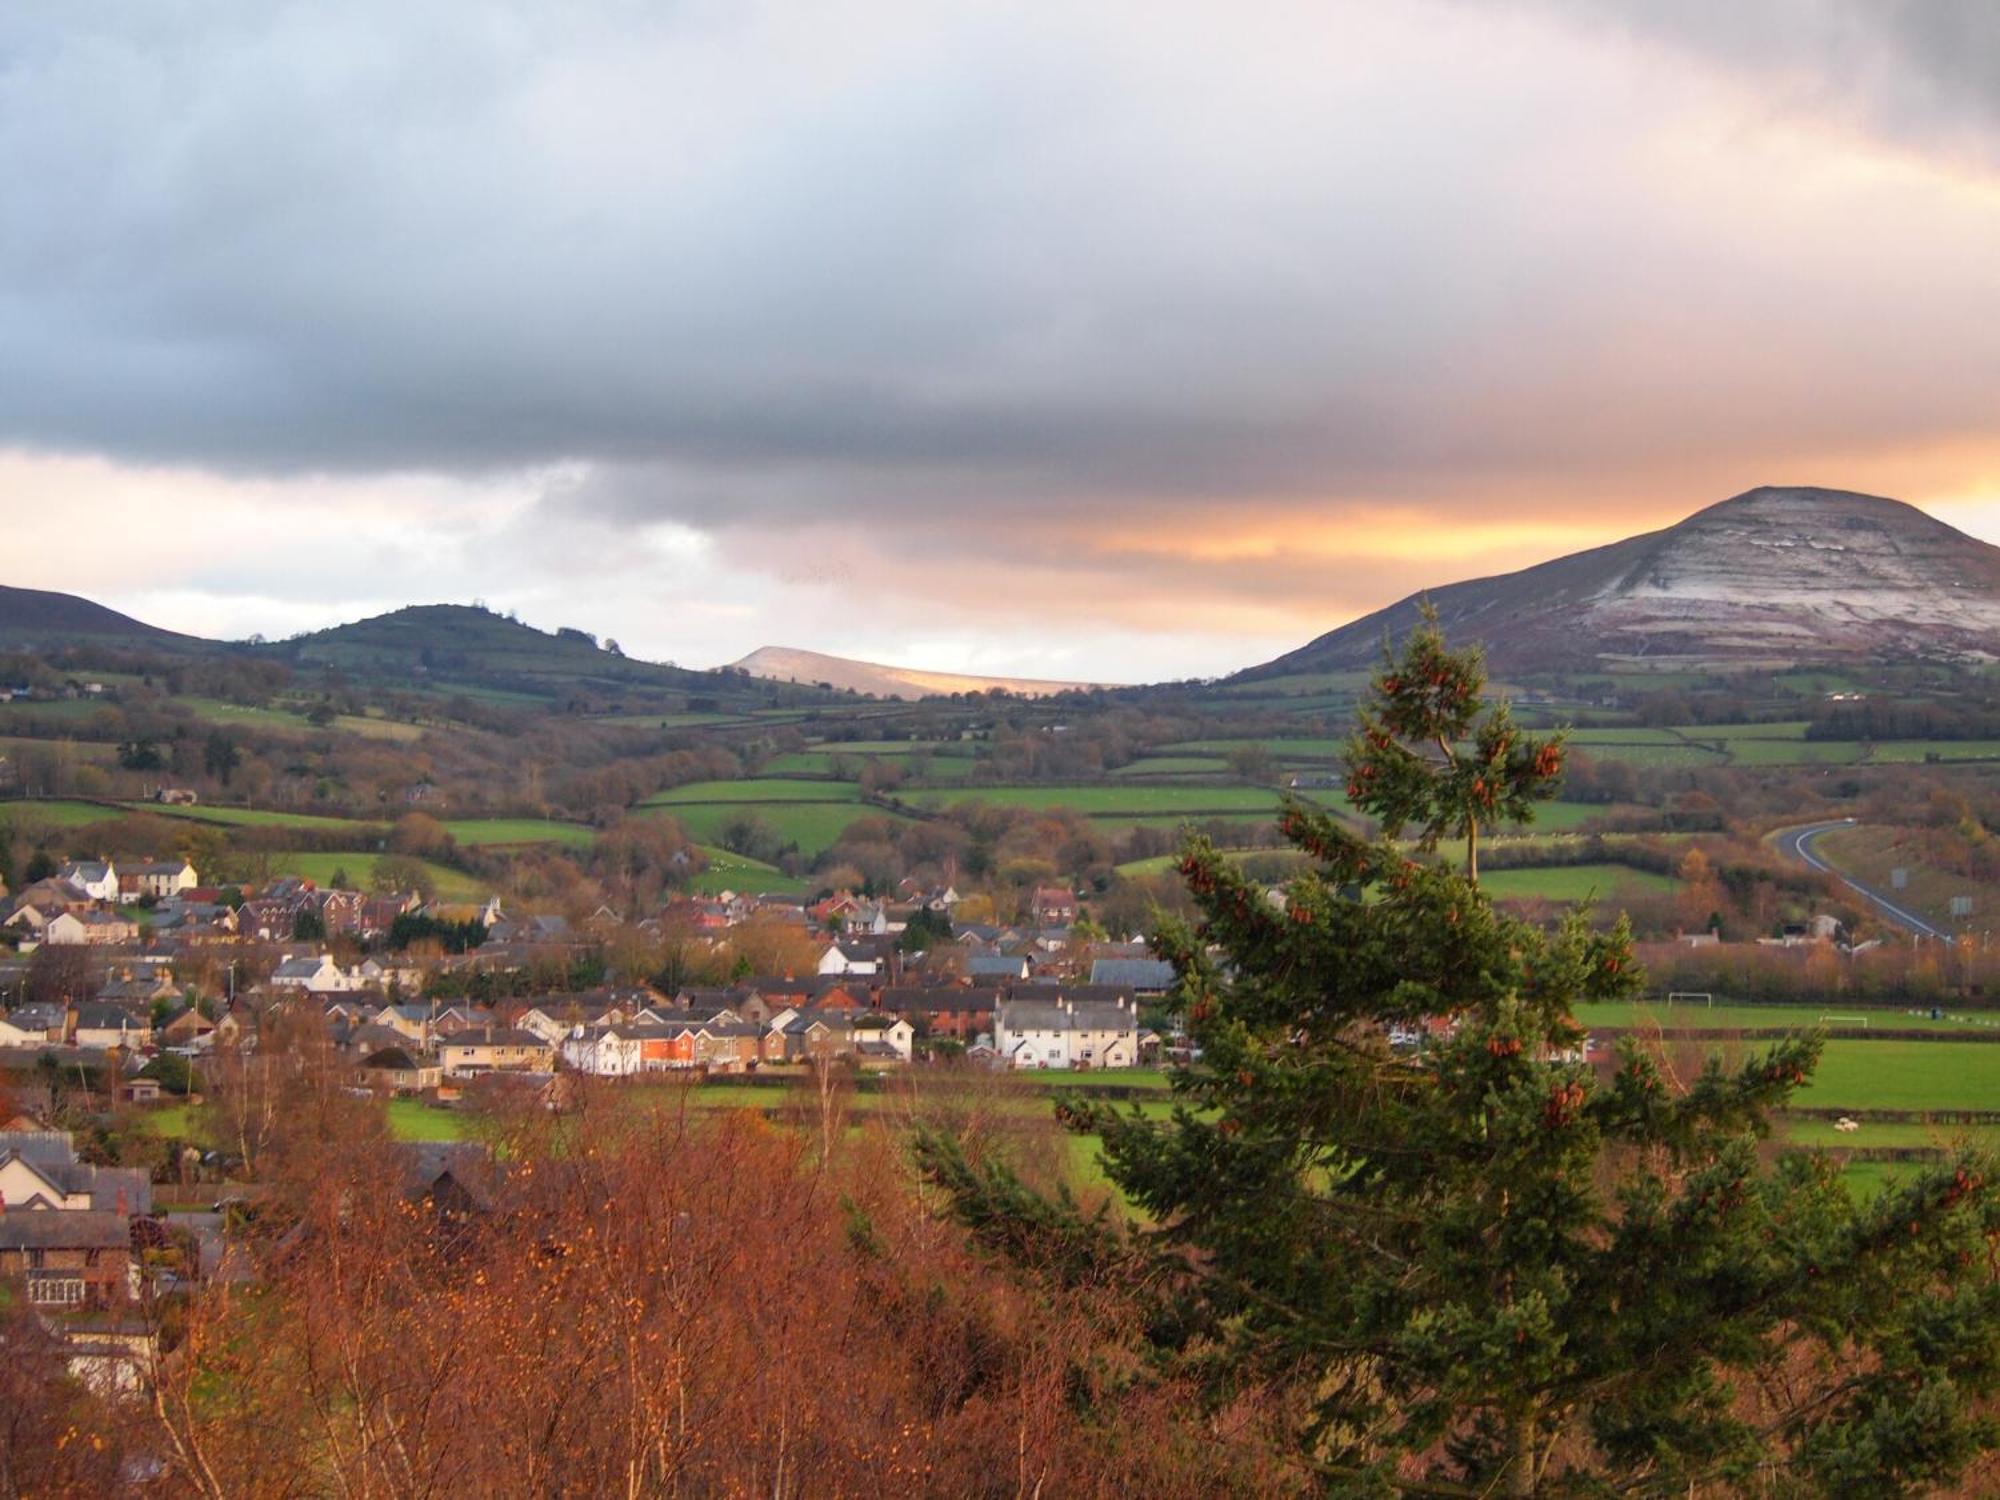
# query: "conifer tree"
x,y
1490,1261
1429,754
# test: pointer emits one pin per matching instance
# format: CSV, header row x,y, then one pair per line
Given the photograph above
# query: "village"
x,y
132,1031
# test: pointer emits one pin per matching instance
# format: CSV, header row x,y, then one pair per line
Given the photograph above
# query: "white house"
x,y
167,878
316,973
884,1036
842,959
90,927
97,879
13,1034
611,1051
1063,1033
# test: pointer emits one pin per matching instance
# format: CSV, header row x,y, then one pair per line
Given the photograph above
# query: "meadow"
x,y
57,813
737,872
251,817
812,826
1173,765
320,868
1571,883
1906,1075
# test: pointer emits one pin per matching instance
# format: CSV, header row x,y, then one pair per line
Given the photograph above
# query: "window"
x,y
54,1289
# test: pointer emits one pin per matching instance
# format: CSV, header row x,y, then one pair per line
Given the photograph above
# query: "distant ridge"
x,y
787,664
41,617
1772,577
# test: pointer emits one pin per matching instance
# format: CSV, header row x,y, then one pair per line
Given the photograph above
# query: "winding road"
x,y
1798,843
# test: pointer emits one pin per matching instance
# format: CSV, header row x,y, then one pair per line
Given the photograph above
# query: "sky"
x,y
1115,342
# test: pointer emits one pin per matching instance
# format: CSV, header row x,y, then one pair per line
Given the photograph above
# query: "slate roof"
x,y
996,966
41,1229
1046,1015
1133,973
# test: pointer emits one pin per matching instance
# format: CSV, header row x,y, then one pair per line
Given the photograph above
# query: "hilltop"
x,y
40,617
1770,578
786,664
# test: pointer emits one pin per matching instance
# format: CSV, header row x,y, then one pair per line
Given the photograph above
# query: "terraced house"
x,y
1065,1033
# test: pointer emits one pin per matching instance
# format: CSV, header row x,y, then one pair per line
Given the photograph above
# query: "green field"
x,y
63,710
813,826
1164,765
251,817
669,721
1660,756
177,1119
1906,1075
736,872
452,885
1772,752
1943,1137
1111,800
799,763
78,752
1902,752
755,789
1570,883
215,711
63,814
371,727
1282,749
1782,729
1567,817
1634,735
413,1120
1795,1017
1165,864
515,831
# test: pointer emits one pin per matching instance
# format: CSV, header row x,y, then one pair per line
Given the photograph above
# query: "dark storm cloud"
x,y
747,264
359,239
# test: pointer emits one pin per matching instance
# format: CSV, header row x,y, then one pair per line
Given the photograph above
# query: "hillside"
x,y
455,643
1773,577
39,617
785,664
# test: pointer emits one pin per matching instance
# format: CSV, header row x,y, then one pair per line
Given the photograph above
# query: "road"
x,y
1798,843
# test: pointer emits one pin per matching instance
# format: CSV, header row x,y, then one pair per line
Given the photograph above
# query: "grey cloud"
x,y
1925,73
745,262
